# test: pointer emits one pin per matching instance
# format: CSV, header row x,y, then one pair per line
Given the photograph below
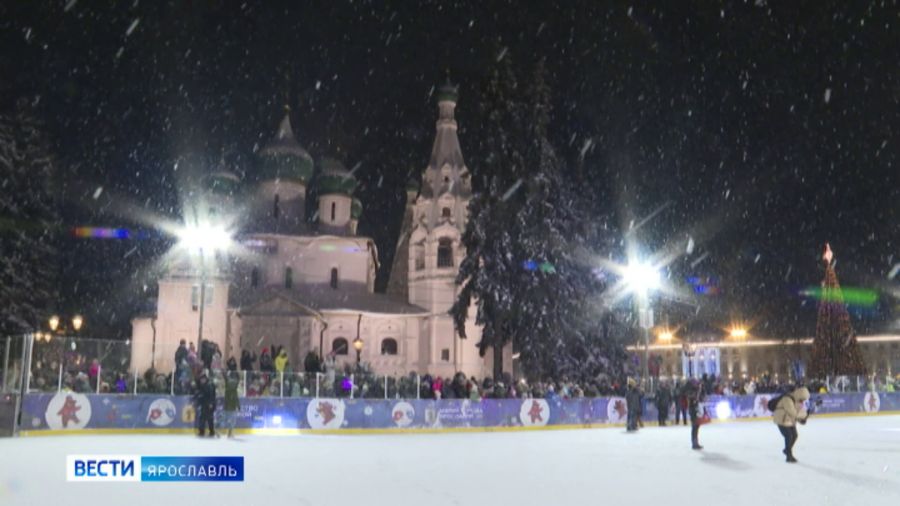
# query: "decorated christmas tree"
x,y
835,351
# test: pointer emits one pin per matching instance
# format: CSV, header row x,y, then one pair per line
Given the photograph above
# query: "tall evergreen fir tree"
x,y
835,351
525,232
29,221
489,268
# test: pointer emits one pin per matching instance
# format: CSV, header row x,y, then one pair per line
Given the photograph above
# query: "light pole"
x,y
358,345
689,351
641,278
197,239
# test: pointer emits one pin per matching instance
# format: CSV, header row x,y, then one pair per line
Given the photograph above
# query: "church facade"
x,y
308,285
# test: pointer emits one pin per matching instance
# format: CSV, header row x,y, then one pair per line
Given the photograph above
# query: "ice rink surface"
x,y
854,460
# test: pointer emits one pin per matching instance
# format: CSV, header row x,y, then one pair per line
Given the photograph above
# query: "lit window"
x,y
389,346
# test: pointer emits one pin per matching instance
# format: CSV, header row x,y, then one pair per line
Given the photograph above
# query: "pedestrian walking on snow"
x,y
791,408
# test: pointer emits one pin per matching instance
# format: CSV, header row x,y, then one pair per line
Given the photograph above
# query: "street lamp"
x,y
641,278
77,321
358,345
738,333
196,239
666,336
54,322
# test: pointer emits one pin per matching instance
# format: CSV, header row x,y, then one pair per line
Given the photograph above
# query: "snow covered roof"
x,y
322,298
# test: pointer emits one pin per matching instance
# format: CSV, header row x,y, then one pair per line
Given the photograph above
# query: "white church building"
x,y
308,285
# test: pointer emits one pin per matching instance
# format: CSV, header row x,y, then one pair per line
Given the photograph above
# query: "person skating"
x,y
205,400
790,410
663,399
681,404
633,405
694,394
232,404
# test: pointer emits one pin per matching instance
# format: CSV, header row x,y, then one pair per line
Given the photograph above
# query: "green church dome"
x,y
284,157
336,178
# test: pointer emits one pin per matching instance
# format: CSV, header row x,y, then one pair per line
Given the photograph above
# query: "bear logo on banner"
x,y
403,414
761,406
871,402
325,413
616,409
161,412
68,410
534,413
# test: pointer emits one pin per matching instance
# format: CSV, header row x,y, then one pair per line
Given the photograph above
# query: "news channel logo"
x,y
119,468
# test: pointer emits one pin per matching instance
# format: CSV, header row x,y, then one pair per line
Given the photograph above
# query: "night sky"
x,y
760,130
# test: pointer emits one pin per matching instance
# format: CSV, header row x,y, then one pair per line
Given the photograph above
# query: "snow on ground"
x,y
852,460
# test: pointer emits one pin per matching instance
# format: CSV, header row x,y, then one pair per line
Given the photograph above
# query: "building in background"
x,y
307,285
753,358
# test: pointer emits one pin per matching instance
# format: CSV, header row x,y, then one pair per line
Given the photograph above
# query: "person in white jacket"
x,y
790,410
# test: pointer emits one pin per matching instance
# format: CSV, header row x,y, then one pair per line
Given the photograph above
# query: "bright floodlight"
x,y
641,278
666,336
723,410
738,332
204,237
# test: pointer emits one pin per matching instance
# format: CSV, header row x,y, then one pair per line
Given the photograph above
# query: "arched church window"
x,y
254,277
276,207
333,209
340,346
445,253
334,278
445,213
288,278
389,346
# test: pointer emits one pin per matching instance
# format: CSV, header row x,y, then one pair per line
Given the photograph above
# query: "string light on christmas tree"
x,y
835,350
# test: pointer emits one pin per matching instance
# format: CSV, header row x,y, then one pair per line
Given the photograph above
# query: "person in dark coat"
x,y
663,400
681,404
694,393
181,354
205,401
265,361
232,365
633,404
247,360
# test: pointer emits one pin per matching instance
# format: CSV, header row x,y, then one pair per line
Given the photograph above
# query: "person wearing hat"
x,y
633,404
694,394
790,410
205,400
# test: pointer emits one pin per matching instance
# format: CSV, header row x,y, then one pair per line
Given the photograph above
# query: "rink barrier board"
x,y
70,413
399,431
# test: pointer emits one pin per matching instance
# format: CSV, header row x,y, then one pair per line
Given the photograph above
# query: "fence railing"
x,y
72,363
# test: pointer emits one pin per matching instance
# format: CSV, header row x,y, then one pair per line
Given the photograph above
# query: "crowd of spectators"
x,y
272,374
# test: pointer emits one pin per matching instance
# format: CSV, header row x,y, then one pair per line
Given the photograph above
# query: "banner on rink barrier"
x,y
74,411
